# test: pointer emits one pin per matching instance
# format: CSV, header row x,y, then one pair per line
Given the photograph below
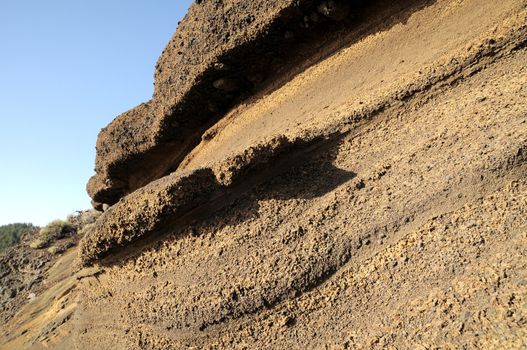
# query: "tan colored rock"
x,y
372,201
221,53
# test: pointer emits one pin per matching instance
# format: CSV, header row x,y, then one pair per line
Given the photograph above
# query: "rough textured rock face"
x,y
374,198
370,194
221,53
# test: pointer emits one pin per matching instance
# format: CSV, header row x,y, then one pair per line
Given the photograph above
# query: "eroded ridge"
x,y
222,52
160,204
163,202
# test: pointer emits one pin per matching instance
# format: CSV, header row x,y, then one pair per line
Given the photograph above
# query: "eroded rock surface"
x,y
222,52
369,195
373,200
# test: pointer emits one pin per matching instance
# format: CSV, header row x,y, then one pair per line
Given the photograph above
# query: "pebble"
x,y
226,84
335,10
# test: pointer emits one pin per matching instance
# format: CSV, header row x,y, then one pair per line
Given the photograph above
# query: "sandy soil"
x,y
43,320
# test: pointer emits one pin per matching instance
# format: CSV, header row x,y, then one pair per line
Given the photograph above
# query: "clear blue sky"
x,y
67,68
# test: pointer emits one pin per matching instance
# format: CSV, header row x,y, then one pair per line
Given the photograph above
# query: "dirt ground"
x,y
38,315
376,199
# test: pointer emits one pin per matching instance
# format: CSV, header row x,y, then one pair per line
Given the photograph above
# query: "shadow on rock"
x,y
290,171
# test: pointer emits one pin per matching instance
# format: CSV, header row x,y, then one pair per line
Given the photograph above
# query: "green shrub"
x,y
80,223
85,229
38,243
12,233
88,217
83,218
56,229
53,250
72,218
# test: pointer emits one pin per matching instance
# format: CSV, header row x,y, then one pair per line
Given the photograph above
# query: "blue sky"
x,y
67,68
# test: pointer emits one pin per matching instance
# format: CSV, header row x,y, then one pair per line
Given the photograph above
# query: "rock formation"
x,y
221,53
317,175
314,174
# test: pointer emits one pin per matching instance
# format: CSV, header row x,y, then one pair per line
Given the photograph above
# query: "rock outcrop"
x,y
313,175
222,52
370,195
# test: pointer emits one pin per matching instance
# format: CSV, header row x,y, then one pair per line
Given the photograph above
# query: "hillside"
x,y
309,175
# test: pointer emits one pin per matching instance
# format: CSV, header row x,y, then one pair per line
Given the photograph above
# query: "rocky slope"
x,y
367,191
38,294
